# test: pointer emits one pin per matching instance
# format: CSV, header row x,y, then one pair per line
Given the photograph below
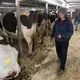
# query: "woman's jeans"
x,y
61,49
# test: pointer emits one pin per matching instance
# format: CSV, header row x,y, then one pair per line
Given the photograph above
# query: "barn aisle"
x,y
48,68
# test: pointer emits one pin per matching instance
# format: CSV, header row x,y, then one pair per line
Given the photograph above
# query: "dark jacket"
x,y
65,29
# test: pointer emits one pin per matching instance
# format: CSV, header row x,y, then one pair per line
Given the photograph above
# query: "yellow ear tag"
x,y
7,61
26,13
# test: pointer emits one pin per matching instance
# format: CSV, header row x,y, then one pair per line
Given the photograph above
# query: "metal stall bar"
x,y
17,3
47,8
47,16
57,9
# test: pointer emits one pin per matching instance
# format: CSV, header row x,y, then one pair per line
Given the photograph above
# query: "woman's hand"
x,y
59,36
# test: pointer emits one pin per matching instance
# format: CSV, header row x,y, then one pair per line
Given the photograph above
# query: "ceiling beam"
x,y
73,1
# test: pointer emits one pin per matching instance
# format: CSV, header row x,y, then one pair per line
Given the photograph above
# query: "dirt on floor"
x,y
49,68
43,65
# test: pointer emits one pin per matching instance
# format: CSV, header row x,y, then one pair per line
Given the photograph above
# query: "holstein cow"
x,y
9,23
31,24
42,24
2,30
52,17
28,26
9,67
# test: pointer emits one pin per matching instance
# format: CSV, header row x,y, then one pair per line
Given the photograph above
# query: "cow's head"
x,y
10,22
9,67
42,17
29,20
52,17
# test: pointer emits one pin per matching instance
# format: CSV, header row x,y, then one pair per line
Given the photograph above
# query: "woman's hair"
x,y
64,11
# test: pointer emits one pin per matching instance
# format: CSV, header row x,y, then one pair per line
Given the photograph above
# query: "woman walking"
x,y
62,32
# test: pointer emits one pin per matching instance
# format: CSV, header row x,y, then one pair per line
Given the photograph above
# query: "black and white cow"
x,y
52,17
42,24
10,22
9,67
28,26
30,23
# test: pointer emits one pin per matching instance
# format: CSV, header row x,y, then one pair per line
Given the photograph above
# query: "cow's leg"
x,y
7,39
11,40
43,33
40,35
27,33
29,41
33,44
42,39
30,46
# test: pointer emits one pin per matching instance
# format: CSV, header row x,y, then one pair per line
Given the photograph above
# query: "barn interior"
x,y
39,65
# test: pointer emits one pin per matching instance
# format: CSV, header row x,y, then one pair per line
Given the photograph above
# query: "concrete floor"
x,y
48,70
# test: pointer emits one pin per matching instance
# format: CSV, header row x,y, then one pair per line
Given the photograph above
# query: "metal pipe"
x,y
56,9
47,8
17,3
47,20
